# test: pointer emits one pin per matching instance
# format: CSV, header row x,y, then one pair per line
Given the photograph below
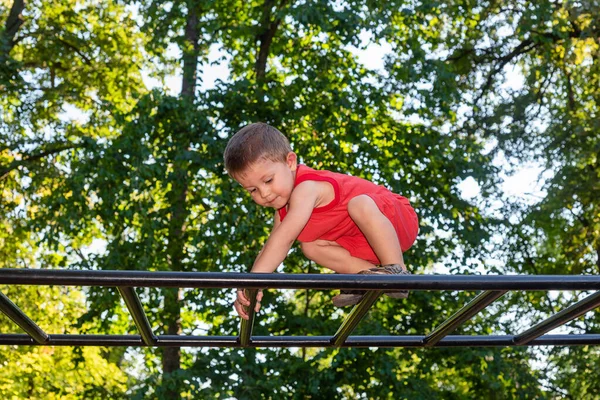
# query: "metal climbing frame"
x,y
492,287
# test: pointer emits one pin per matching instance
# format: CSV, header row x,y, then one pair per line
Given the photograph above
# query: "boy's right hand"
x,y
242,302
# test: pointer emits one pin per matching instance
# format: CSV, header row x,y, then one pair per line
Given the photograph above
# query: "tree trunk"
x,y
178,199
190,53
598,258
11,27
7,42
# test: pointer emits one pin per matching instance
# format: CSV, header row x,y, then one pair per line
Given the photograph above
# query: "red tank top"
x,y
332,221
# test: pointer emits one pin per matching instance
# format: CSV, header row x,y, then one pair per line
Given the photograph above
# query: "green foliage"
x,y
89,155
56,372
550,118
49,372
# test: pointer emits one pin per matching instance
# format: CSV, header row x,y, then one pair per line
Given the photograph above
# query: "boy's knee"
x,y
309,249
315,250
361,206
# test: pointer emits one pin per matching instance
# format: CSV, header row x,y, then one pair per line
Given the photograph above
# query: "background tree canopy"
x,y
103,166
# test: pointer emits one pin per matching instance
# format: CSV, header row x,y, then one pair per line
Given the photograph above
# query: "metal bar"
x,y
355,316
297,281
139,316
464,314
247,324
75,340
198,341
561,318
300,341
20,318
468,341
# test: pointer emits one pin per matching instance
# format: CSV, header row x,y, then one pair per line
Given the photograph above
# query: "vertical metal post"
x,y
480,302
355,316
20,318
139,316
247,324
561,318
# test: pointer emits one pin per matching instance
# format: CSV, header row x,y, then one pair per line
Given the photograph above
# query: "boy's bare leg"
x,y
334,257
378,230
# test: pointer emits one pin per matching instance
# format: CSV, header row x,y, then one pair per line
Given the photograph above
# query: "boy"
x,y
344,223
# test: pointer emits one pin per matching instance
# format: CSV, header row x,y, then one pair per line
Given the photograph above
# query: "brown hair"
x,y
255,142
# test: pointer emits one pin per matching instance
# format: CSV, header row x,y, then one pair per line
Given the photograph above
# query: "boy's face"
x,y
270,183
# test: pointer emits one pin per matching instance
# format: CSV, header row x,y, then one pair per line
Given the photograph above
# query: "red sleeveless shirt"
x,y
332,221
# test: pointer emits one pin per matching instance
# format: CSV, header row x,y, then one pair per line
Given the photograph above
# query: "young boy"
x,y
344,223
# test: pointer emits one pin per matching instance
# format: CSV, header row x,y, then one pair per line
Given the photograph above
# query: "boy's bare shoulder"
x,y
322,192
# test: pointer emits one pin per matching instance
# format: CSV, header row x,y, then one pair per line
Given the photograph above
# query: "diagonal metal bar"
x,y
139,316
561,318
464,314
20,318
355,316
247,324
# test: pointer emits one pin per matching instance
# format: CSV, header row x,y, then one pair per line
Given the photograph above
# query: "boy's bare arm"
x,y
276,222
304,199
302,202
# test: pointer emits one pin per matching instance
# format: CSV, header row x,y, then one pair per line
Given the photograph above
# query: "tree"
x,y
142,172
550,118
55,57
49,372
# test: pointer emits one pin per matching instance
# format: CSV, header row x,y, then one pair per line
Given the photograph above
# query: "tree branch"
x,y
265,38
524,47
5,170
76,49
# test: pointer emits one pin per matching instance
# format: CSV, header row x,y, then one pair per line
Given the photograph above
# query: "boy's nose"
x,y
264,193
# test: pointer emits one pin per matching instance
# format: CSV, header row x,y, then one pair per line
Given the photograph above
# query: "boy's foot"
x,y
389,269
348,298
351,297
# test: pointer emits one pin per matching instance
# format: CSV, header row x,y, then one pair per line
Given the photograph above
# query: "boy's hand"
x,y
242,303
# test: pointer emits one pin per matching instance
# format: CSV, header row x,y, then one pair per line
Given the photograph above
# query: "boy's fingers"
x,y
241,296
242,302
239,308
259,297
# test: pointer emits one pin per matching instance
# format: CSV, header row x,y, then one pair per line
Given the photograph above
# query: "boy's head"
x,y
253,143
260,158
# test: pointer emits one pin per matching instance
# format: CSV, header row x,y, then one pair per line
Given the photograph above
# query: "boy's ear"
x,y
292,160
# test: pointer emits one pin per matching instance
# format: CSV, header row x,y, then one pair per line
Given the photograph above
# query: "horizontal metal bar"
x,y
561,318
20,318
464,314
354,318
137,313
297,281
198,341
300,341
469,341
75,340
246,325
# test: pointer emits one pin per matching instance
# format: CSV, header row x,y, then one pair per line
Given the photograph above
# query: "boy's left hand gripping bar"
x,y
247,324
